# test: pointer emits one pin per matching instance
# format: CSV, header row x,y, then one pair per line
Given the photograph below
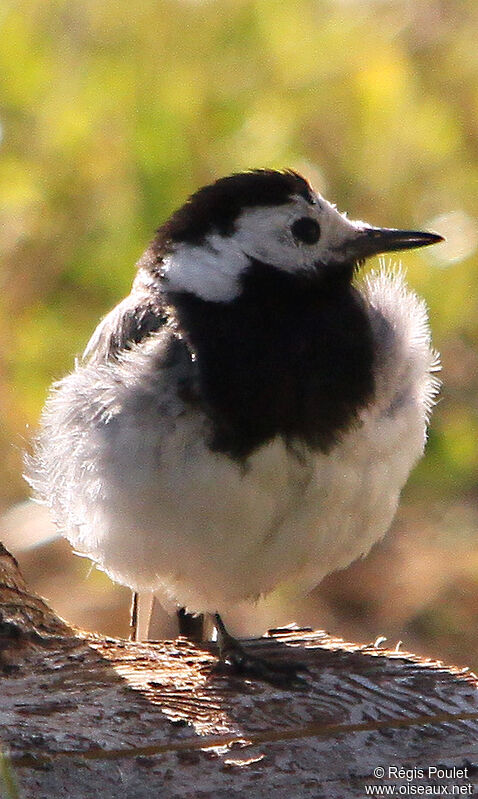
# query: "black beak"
x,y
374,240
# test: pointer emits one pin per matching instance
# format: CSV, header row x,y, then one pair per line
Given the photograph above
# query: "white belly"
x,y
194,525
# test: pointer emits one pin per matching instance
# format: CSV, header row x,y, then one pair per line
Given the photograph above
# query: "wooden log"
x,y
82,715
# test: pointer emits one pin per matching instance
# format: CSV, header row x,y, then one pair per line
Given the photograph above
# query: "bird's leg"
x,y
133,618
190,625
233,655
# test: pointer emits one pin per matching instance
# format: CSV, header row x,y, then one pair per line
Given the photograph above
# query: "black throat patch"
x,y
290,356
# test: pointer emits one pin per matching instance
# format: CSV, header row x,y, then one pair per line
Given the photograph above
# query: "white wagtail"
x,y
246,417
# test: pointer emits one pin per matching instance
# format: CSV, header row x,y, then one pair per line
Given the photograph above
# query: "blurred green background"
x,y
112,113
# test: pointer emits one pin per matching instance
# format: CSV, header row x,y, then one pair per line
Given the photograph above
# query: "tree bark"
x,y
82,715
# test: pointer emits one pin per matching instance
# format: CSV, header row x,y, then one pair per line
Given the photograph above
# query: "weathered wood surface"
x,y
82,715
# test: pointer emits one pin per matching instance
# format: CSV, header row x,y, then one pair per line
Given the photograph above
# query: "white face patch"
x,y
212,270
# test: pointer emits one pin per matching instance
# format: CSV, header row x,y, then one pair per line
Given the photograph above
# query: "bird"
x,y
244,421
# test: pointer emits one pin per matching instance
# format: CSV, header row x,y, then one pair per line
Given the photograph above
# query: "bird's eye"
x,y
306,230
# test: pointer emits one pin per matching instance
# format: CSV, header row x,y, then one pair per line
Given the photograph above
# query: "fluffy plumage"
x,y
245,420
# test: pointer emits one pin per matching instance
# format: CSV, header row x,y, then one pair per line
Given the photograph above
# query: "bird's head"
x,y
274,218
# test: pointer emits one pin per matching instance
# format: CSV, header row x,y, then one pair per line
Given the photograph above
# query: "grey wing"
x,y
139,314
104,419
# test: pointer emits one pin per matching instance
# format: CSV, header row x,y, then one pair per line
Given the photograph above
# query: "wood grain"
x,y
81,714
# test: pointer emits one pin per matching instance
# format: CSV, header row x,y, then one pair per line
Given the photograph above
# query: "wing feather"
x,y
137,316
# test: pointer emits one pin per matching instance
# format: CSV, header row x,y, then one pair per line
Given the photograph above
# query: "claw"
x,y
232,654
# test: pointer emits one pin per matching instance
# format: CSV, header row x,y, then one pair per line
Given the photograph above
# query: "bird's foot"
x,y
190,625
233,657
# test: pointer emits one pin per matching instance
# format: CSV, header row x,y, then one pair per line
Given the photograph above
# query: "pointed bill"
x,y
375,240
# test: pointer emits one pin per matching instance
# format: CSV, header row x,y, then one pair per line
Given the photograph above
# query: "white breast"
x,y
208,535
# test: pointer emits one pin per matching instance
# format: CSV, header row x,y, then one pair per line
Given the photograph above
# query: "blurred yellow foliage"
x,y
113,112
